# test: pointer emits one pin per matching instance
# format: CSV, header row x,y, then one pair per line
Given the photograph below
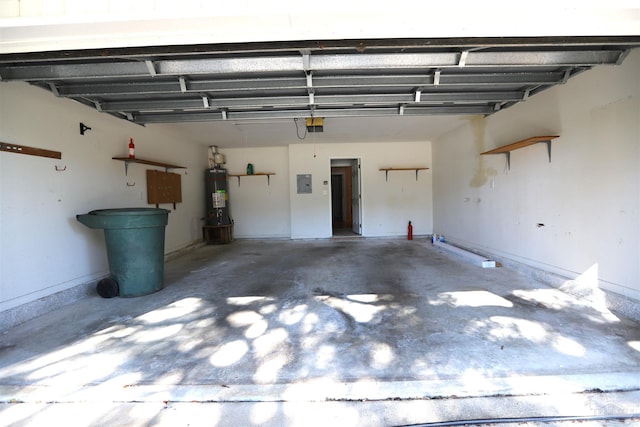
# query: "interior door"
x,y
356,189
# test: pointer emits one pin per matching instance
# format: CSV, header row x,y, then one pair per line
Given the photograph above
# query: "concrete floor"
x,y
349,332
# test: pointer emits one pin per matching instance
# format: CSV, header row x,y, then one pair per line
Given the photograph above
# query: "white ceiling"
x,y
29,26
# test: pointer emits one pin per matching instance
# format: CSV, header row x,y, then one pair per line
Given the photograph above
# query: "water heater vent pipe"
x,y
216,159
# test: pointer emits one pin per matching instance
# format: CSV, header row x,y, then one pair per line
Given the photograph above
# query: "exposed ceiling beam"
x,y
301,79
200,116
311,46
301,101
494,79
293,65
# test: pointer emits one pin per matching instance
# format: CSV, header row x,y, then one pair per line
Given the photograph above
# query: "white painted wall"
x,y
276,210
387,206
259,208
43,249
588,197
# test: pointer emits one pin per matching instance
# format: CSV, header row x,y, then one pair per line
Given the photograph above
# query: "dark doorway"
x,y
341,214
346,212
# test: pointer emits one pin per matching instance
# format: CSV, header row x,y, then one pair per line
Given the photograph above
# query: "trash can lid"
x,y
130,211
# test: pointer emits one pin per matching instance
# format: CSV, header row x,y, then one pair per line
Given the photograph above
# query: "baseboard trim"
x,y
22,313
30,310
615,302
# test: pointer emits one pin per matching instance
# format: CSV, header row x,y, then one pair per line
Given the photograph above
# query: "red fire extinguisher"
x,y
132,148
410,231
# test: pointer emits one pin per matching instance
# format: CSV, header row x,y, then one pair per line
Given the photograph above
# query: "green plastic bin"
x,y
135,246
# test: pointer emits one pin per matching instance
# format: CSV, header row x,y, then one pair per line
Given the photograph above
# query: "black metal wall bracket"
x,y
83,128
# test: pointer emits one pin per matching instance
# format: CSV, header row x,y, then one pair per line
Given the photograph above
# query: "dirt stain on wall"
x,y
479,127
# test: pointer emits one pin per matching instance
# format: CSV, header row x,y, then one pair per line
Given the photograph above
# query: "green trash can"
x,y
135,246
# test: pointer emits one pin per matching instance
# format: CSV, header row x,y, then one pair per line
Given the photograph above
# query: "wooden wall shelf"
x,y
32,151
267,174
507,149
387,170
164,165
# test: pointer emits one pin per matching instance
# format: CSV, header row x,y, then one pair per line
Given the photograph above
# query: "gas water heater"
x,y
217,197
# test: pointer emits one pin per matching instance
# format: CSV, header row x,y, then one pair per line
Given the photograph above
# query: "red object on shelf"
x,y
410,231
132,149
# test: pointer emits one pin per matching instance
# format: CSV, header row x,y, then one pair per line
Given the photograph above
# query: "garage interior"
x,y
520,144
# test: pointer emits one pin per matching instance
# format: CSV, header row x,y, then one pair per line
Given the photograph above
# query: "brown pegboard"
x,y
163,187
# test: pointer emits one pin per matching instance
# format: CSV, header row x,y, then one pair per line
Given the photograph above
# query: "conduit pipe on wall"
x,y
470,256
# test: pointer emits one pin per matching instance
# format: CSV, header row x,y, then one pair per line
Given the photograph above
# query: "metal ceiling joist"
x,y
115,88
119,88
436,77
183,84
109,89
341,78
53,88
200,116
462,60
300,101
262,64
151,68
111,70
337,46
294,64
533,58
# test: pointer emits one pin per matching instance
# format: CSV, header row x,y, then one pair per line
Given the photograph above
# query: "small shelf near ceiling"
x,y
507,149
128,160
387,170
267,174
